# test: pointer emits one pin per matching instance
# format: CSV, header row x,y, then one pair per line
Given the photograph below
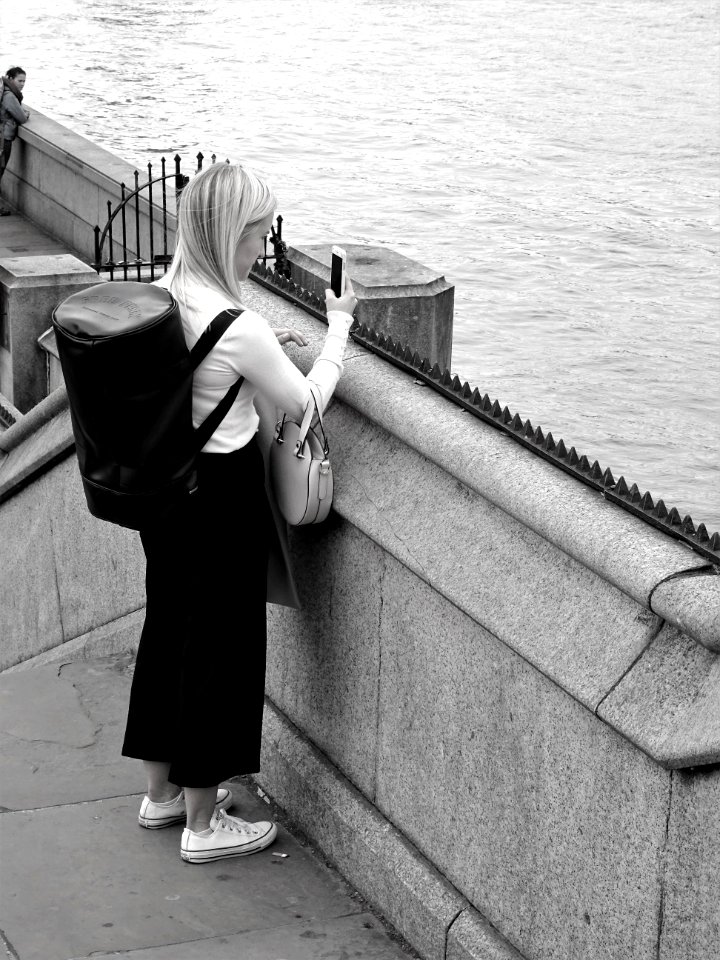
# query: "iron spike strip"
x,y
490,412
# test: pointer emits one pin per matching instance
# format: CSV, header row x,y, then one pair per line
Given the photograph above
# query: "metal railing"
x,y
135,244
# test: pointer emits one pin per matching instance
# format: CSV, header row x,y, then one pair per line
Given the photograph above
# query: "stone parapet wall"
x,y
516,677
63,182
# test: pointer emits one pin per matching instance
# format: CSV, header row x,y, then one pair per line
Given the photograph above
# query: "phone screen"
x,y
337,271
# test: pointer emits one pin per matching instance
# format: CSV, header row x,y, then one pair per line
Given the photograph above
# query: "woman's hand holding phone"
x,y
347,302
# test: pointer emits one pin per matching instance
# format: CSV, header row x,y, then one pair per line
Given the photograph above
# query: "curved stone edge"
x,y
691,603
41,439
33,420
667,704
369,851
471,937
9,413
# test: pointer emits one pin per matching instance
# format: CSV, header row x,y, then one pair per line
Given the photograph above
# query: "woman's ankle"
x,y
163,794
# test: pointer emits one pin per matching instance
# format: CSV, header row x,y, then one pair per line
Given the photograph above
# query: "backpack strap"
x,y
207,340
211,334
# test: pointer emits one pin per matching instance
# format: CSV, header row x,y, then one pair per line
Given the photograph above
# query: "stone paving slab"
x,y
21,238
359,936
84,878
61,730
80,878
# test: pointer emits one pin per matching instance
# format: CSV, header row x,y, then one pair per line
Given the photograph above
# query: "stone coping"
x,y
8,412
647,565
34,420
99,166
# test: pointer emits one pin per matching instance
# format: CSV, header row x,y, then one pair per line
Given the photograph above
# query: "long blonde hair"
x,y
217,209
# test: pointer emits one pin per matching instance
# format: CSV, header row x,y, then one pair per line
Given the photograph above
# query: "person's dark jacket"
x,y
12,114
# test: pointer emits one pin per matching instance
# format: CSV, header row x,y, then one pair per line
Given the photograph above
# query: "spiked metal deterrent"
x,y
522,431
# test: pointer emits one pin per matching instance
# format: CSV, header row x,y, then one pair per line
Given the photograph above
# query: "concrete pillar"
x,y
30,288
398,296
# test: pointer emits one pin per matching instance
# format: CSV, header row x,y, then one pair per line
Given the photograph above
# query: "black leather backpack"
x,y
128,374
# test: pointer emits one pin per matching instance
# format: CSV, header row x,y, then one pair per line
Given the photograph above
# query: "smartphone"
x,y
337,271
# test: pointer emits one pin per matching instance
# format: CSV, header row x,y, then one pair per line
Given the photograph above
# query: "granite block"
x,y
691,907
323,660
546,820
30,612
100,566
668,704
472,938
572,625
31,287
367,849
692,603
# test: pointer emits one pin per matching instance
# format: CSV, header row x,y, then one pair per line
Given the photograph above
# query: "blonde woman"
x,y
195,714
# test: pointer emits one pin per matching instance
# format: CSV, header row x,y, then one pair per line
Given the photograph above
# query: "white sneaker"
x,y
230,837
154,816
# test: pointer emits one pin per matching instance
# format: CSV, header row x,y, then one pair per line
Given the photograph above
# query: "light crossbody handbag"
x,y
300,471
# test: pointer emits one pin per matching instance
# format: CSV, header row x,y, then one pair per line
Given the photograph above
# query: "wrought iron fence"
x,y
136,242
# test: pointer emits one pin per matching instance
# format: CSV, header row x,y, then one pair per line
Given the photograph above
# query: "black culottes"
x,y
197,693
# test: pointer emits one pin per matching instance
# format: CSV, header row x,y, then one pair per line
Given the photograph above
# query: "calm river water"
x,y
557,160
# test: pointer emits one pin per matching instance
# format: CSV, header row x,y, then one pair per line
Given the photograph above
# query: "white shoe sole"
x,y
207,856
153,823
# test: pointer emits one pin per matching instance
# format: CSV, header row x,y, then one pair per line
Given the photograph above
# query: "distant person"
x,y
12,114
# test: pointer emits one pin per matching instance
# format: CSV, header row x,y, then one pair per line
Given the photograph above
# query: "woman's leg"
x,y
200,805
160,790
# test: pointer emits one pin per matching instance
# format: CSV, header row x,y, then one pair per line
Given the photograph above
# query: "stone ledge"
x,y
668,703
64,146
692,603
573,626
622,549
471,937
42,438
56,270
367,849
34,420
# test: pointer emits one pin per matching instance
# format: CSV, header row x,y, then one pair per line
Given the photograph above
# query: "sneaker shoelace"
x,y
235,825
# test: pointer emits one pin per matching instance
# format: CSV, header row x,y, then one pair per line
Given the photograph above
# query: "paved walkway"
x,y
20,238
80,878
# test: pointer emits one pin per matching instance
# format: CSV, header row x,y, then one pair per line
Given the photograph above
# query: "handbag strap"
x,y
207,340
312,407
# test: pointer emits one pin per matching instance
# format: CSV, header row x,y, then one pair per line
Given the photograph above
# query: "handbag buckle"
x,y
325,468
